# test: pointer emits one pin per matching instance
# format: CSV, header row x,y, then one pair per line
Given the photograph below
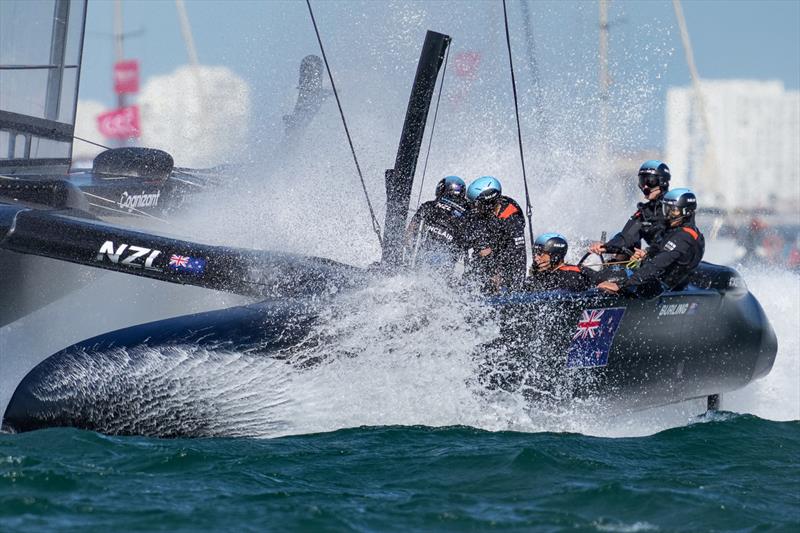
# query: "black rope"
x,y
375,226
433,127
528,210
90,142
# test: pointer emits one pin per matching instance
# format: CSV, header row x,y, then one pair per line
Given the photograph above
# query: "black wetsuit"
x,y
568,277
503,231
435,235
647,223
670,261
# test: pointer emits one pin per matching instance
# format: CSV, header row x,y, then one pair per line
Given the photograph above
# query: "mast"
x,y
191,51
604,83
710,168
399,180
534,67
119,39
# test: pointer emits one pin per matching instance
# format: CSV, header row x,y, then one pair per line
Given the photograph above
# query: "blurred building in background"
x,y
738,147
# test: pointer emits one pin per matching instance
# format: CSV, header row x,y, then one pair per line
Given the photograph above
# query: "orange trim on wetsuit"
x,y
508,211
569,268
691,232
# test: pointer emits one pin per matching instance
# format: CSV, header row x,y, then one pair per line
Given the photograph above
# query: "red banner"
x,y
467,64
126,76
120,123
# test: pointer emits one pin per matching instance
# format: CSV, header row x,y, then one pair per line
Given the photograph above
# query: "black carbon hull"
x,y
676,347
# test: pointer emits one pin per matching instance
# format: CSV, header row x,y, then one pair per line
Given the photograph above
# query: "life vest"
x,y
508,211
691,232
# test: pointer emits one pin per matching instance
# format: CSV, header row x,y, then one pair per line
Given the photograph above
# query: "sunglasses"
x,y
648,182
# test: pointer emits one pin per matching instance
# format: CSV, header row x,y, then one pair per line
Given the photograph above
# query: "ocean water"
x,y
395,441
722,472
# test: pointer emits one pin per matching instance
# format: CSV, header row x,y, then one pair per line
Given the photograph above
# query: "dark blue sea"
x,y
722,472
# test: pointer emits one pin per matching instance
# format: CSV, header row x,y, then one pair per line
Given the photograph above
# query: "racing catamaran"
x,y
699,342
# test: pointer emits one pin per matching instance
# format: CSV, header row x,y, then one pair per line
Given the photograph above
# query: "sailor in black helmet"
x,y
435,235
674,255
496,236
648,220
550,271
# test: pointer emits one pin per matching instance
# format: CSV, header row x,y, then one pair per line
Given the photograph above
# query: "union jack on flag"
x,y
188,264
178,261
593,337
588,324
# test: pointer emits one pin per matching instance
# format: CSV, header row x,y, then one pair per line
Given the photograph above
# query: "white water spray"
x,y
401,354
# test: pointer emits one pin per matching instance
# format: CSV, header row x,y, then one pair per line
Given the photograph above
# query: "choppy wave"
x,y
721,472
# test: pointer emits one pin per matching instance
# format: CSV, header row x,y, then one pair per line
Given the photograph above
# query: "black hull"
x,y
678,346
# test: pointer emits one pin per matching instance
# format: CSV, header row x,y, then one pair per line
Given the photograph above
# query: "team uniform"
x,y
567,277
503,231
669,262
647,223
436,233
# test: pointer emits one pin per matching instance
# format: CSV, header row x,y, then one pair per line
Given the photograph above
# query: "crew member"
x,y
549,271
496,236
648,220
674,255
435,235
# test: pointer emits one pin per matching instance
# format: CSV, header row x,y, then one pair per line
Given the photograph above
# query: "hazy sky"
x,y
263,41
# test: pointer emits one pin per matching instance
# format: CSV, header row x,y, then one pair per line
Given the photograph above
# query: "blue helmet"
x,y
484,190
652,174
554,244
679,203
451,186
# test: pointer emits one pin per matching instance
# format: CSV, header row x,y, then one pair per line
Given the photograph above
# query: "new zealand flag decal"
x,y
184,263
592,339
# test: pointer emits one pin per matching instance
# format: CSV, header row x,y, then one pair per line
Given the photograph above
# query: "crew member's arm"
x,y
627,239
412,236
655,268
412,227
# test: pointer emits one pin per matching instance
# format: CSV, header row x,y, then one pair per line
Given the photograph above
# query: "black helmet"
x,y
679,204
451,186
654,174
551,243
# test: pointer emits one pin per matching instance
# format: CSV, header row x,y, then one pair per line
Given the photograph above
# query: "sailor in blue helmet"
x,y
648,220
675,254
435,235
496,236
550,270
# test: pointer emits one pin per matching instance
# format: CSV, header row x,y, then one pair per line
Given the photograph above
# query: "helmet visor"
x,y
672,211
648,182
456,189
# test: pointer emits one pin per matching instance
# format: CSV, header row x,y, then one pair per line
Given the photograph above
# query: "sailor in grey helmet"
x,y
435,235
550,270
648,220
675,254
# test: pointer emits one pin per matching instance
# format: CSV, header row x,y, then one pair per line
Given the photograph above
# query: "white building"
x,y
753,157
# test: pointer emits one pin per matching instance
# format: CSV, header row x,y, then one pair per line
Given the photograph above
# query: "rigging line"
x,y
90,142
528,210
375,226
433,126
